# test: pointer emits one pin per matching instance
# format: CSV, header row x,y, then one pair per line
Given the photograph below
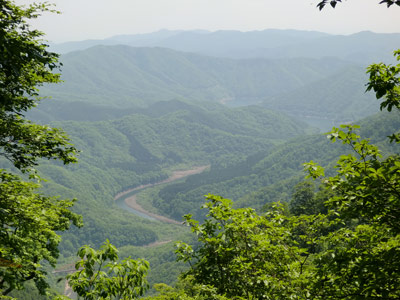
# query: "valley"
x,y
127,199
140,114
164,119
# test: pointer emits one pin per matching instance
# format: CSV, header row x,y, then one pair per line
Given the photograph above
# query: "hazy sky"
x,y
97,19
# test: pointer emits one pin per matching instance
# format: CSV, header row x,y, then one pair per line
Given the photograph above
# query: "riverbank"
x,y
131,201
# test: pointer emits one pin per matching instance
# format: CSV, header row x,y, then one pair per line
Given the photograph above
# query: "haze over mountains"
x,y
143,106
364,47
143,110
316,77
126,76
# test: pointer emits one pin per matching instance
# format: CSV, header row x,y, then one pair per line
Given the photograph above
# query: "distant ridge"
x,y
124,76
362,47
198,40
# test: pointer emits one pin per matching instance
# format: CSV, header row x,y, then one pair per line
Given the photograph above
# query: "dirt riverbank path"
x,y
176,175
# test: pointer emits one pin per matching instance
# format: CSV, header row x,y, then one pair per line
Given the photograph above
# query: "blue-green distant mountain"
x,y
137,40
229,43
236,44
123,76
336,99
364,47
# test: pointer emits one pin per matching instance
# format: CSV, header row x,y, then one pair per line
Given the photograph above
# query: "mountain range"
x,y
143,106
363,47
113,80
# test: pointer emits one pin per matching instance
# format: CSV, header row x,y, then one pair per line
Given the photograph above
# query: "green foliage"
x,y
161,257
350,252
303,199
362,262
244,254
241,253
187,289
25,62
29,221
385,82
25,65
371,186
99,275
23,142
30,292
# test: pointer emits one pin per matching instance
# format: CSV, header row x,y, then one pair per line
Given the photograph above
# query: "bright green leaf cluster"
x,y
187,289
99,275
384,80
361,259
243,254
29,221
25,65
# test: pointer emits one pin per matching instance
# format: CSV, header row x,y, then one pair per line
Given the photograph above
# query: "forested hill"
x,y
144,147
124,76
269,175
141,129
364,47
340,97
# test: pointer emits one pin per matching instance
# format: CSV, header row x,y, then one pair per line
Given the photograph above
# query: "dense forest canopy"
x,y
336,237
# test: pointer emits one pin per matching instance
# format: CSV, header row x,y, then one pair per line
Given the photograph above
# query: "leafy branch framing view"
x,y
347,248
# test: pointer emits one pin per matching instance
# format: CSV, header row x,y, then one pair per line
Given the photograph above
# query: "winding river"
x,y
127,199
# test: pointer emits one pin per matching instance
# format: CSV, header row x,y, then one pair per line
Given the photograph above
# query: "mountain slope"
x,y
145,147
339,98
123,76
268,175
